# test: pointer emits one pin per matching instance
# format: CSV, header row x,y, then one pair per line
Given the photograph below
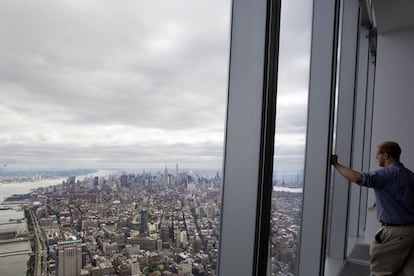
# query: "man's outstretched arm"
x,y
346,172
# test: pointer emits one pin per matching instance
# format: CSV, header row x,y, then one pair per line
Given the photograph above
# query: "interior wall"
x,y
393,111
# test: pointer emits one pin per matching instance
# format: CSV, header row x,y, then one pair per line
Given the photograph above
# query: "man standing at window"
x,y
392,251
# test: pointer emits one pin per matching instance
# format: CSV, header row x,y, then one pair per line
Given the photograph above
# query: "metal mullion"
x,y
359,134
265,186
345,127
368,132
319,136
244,174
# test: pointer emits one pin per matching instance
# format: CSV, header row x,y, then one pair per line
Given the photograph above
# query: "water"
x,y
8,189
16,265
13,265
286,189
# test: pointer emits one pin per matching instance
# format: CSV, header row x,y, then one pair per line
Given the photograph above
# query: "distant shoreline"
x,y
287,189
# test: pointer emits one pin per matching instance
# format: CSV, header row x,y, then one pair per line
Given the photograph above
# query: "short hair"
x,y
391,148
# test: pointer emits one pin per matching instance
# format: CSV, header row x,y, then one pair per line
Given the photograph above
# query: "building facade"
x,y
69,258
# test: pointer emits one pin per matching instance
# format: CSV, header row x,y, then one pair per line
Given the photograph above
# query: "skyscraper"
x,y
176,172
96,181
165,176
124,180
144,222
69,258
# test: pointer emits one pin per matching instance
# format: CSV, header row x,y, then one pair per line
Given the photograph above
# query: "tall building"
x,y
165,176
124,180
96,181
135,269
69,258
149,187
71,179
144,222
176,174
165,236
71,186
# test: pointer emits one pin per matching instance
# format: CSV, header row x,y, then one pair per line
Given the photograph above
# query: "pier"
x,y
15,253
14,240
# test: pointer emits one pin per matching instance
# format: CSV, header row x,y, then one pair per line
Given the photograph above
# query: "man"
x,y
392,251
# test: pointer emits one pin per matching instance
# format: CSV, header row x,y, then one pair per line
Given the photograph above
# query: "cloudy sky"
x,y
130,84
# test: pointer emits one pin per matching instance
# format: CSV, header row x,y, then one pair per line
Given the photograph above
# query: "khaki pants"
x,y
392,251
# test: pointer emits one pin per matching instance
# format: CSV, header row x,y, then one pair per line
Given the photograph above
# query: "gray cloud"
x,y
137,83
115,59
138,156
292,85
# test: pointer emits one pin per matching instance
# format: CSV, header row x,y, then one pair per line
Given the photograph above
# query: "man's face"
x,y
380,158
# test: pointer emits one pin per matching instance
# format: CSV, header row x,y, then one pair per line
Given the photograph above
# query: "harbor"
x,y
15,247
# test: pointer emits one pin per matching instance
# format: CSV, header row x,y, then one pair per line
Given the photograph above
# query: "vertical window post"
x,y
248,160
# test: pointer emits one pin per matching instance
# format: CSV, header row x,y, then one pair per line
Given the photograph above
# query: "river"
x,y
286,189
16,265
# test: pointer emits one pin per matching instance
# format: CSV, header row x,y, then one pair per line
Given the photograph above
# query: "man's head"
x,y
388,153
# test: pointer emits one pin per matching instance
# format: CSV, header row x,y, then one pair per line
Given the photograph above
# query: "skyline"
x,y
95,84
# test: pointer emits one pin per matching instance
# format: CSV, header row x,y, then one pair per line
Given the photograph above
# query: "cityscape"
x,y
147,223
96,84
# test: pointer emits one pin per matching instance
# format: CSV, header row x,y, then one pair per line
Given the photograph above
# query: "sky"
x,y
131,84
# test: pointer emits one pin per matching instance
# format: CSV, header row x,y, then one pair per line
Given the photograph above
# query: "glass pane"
x,y
113,120
290,135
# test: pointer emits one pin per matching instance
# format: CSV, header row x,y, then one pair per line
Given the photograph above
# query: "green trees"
x,y
32,260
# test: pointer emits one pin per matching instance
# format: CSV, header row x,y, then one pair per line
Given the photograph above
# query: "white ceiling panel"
x,y
393,15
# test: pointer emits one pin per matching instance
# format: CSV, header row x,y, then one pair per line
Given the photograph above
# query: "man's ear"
x,y
386,155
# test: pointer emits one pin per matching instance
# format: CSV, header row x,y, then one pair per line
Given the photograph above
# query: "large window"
x,y
117,109
291,115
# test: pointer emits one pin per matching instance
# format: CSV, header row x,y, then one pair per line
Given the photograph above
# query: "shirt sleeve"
x,y
376,179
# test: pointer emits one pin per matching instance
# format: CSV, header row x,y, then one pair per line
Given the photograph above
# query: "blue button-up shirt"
x,y
394,192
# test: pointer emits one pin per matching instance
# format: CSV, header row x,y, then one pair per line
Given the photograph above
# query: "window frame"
x,y
249,142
